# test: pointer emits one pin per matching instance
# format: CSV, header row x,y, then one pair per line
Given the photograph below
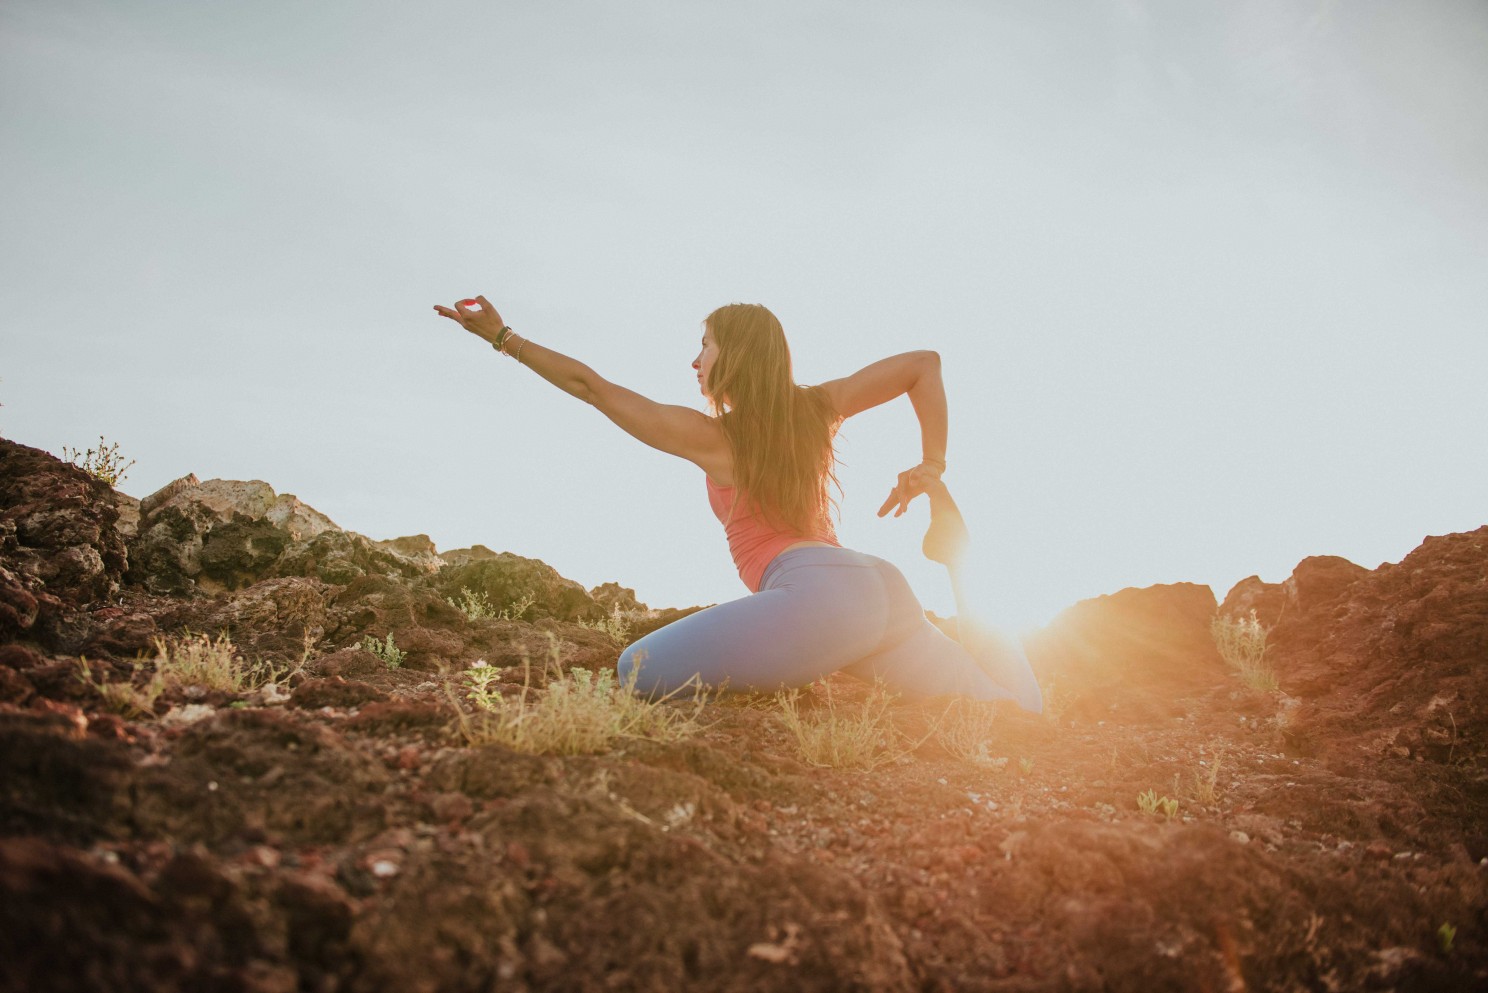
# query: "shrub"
x,y
616,624
385,650
574,713
1242,644
476,606
104,464
863,737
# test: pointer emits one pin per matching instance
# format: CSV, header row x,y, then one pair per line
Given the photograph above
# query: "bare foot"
x,y
947,539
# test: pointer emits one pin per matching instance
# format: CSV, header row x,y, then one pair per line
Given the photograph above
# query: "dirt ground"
x,y
339,836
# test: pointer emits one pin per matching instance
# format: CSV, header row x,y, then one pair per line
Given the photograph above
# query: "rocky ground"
x,y
334,831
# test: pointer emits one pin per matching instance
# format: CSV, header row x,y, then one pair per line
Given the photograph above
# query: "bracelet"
x,y
934,462
501,338
521,345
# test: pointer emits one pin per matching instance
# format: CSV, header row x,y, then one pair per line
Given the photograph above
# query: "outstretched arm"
x,y
918,375
677,430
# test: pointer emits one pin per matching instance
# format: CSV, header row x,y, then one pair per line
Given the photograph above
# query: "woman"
x,y
814,607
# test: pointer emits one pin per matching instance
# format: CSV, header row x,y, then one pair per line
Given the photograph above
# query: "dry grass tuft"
x,y
965,730
187,660
841,736
574,713
1242,644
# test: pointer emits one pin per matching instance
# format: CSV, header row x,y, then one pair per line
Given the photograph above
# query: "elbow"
x,y
929,362
586,386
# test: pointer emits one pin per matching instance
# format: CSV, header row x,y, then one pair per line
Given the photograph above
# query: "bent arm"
x,y
914,373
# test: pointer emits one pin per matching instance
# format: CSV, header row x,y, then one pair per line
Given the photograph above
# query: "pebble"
x,y
1240,836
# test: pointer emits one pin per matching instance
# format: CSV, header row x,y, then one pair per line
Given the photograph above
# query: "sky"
x,y
1208,282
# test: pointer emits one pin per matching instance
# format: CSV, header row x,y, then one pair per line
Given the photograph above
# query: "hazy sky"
x,y
1209,282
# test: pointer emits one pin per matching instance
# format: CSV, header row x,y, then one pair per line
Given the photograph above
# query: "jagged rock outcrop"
x,y
509,580
225,534
1389,661
60,553
1110,653
613,596
1317,580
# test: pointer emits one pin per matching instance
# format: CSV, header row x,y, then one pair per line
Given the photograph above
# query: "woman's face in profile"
x,y
704,362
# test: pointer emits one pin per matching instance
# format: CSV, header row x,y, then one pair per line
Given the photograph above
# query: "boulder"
x,y
1134,654
464,556
340,557
225,534
60,549
1320,579
1389,662
613,596
510,580
1250,594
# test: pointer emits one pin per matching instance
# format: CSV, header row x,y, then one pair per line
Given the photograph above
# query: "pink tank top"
x,y
752,541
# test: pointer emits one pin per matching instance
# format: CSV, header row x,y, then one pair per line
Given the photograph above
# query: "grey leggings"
x,y
820,610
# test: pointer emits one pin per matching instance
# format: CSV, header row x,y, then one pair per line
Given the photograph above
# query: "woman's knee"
x,y
639,671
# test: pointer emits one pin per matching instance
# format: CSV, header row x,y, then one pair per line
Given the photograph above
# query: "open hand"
x,y
476,316
912,482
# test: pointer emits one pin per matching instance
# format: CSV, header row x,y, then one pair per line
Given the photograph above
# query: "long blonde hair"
x,y
780,434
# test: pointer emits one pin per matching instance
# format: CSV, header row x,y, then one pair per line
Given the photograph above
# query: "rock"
x,y
129,515
1319,579
1390,660
339,557
464,556
1132,654
274,618
508,580
335,691
613,596
60,548
1250,594
416,551
225,534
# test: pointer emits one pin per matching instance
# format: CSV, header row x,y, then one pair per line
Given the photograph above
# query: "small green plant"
x,y
1025,765
965,731
477,606
1242,644
474,604
837,736
616,624
385,650
514,610
104,463
1150,803
1444,937
576,712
